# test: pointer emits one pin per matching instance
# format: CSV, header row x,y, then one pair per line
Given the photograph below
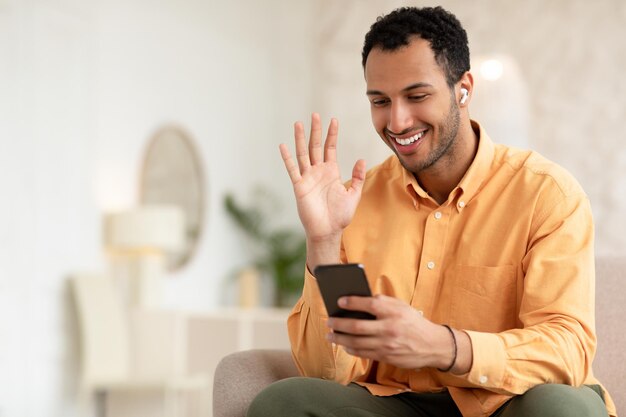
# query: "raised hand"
x,y
325,205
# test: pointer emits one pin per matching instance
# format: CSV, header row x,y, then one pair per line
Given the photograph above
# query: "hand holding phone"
x,y
338,280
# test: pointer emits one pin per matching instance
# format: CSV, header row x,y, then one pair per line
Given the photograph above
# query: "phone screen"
x,y
339,280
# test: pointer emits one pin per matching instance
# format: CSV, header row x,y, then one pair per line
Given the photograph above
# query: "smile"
x,y
409,140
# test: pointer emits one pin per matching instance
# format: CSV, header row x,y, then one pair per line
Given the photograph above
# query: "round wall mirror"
x,y
172,174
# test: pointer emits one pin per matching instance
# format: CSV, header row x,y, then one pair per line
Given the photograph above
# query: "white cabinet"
x,y
211,336
192,343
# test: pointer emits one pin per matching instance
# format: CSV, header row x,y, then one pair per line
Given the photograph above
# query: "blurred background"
x,y
86,87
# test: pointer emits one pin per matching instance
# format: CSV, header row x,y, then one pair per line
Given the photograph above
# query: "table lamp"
x,y
138,242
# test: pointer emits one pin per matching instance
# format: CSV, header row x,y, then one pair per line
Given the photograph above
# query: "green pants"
x,y
312,397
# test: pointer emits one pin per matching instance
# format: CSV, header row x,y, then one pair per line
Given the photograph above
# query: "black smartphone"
x,y
338,280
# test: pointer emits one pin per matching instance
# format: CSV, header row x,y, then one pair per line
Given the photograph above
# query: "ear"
x,y
464,89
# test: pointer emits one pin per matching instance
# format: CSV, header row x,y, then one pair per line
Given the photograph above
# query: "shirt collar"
x,y
478,171
471,181
411,185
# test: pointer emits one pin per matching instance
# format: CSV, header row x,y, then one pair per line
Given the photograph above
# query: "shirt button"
x,y
483,379
420,312
461,204
430,265
438,215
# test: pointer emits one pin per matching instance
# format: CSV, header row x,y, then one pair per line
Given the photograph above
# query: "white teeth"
x,y
410,140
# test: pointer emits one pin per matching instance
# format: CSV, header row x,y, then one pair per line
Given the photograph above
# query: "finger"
x,y
344,329
357,303
330,146
358,177
386,306
290,165
302,155
315,140
379,305
346,343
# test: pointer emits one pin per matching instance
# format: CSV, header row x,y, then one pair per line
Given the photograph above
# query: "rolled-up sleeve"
x,y
313,354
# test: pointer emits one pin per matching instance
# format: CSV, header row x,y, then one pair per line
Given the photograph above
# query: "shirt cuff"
x,y
489,359
312,296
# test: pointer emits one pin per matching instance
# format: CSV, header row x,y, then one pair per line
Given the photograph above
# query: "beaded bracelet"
x,y
455,349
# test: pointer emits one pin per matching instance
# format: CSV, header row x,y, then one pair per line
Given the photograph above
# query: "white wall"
x,y
82,87
49,216
224,71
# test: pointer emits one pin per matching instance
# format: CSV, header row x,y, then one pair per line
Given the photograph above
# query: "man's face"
x,y
413,109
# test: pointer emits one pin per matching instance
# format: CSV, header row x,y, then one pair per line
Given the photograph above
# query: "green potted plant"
x,y
281,252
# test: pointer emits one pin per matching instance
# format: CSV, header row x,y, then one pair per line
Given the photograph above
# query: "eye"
x,y
418,97
379,102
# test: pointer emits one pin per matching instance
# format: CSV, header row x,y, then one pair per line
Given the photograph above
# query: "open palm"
x,y
325,205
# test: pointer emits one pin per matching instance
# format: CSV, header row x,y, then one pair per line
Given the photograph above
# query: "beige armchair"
x,y
242,375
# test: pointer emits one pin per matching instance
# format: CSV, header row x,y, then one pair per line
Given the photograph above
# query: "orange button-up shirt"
x,y
508,258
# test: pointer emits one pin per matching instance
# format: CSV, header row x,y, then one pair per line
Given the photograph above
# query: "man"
x,y
481,256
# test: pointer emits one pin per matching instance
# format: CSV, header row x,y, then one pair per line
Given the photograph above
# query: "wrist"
x,y
322,251
450,354
324,240
465,356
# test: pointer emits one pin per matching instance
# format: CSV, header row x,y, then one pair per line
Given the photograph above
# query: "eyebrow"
x,y
408,88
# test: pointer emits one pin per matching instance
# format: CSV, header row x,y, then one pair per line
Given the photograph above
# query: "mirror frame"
x,y
169,179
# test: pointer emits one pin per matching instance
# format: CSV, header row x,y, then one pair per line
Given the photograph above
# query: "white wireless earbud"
x,y
465,95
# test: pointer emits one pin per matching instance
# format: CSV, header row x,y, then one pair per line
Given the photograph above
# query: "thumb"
x,y
358,176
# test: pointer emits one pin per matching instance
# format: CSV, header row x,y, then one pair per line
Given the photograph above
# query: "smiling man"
x,y
481,256
415,112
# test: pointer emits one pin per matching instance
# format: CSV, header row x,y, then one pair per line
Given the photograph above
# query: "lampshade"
x,y
149,228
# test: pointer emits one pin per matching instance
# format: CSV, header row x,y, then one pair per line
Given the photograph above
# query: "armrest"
x,y
240,376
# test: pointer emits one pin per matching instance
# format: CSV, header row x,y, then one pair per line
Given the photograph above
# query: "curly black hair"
x,y
439,27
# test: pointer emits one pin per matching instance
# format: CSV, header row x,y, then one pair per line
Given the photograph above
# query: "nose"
x,y
400,118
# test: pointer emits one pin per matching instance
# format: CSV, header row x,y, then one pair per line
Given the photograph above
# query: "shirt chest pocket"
x,y
484,298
